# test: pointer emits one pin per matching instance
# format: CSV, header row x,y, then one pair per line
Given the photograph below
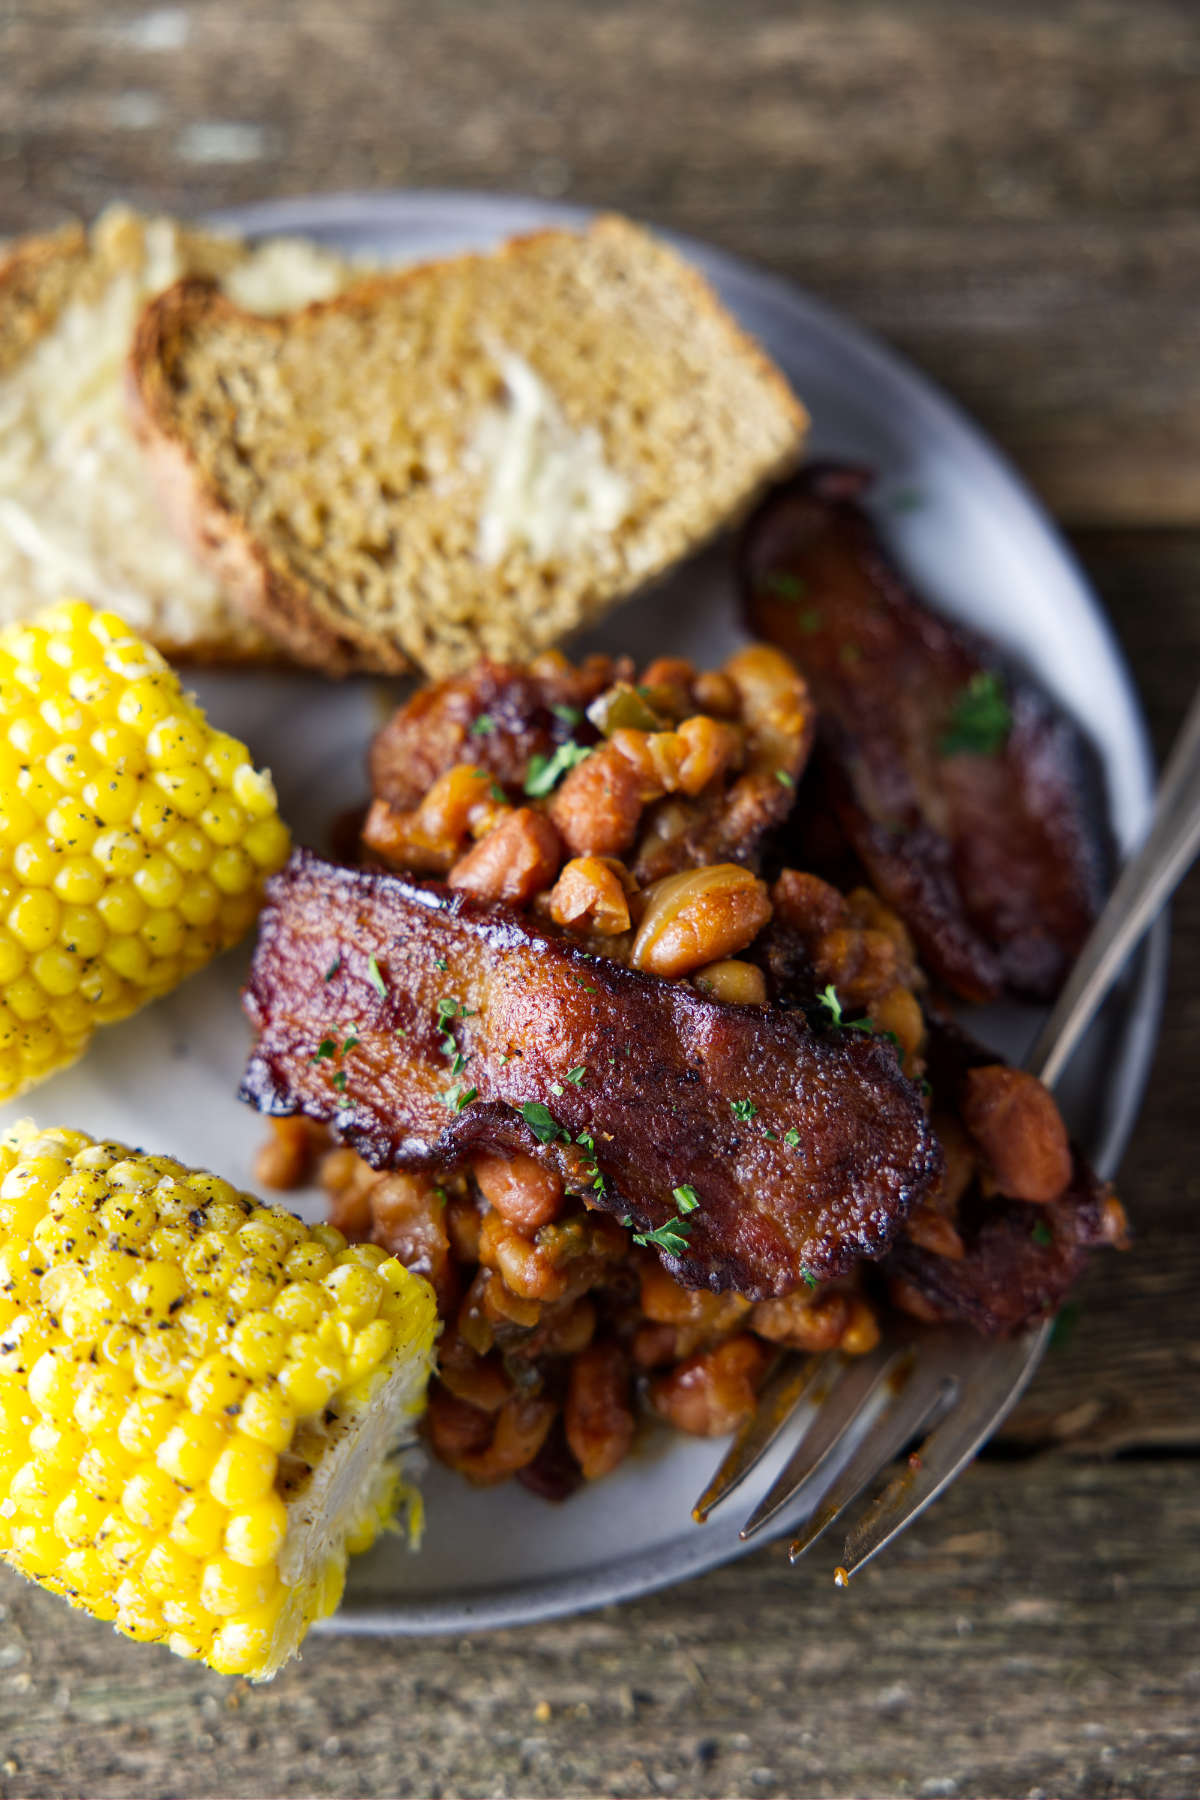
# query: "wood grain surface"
x,y
1008,192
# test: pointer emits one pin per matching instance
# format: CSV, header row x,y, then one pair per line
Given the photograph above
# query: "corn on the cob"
x,y
134,839
200,1397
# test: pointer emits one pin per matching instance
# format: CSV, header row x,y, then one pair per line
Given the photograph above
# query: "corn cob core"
x,y
200,1397
134,839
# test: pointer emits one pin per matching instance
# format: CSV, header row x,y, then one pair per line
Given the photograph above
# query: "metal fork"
x,y
864,1411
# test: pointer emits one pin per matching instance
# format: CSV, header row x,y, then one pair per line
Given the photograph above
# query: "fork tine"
x,y
790,1382
999,1379
924,1391
852,1388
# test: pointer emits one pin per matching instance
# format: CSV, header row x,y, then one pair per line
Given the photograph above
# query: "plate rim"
x,y
533,1601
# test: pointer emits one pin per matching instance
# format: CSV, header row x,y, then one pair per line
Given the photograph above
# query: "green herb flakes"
x,y
541,1122
545,772
686,1198
458,1097
980,719
784,586
483,726
376,974
828,998
671,1237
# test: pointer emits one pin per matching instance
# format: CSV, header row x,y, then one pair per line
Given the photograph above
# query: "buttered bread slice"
x,y
78,513
476,456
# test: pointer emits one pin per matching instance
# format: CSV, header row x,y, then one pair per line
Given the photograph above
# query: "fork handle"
x,y
1145,885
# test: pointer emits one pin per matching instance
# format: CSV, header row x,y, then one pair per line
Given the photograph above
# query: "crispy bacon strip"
x,y
1015,1261
988,854
345,989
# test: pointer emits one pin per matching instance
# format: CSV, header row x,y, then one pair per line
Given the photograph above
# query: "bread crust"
x,y
42,275
211,529
261,580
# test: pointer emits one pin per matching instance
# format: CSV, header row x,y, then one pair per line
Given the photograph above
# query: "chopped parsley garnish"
x,y
791,1138
541,1122
784,779
325,1048
556,1087
350,1043
483,725
980,719
545,772
810,1279
771,1136
334,966
592,1168
1042,1234
376,974
686,1198
785,586
570,715
671,1237
458,1097
440,964
576,1075
828,998
809,621
743,1110
339,1080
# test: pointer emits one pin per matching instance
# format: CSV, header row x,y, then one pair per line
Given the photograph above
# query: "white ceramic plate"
x,y
977,545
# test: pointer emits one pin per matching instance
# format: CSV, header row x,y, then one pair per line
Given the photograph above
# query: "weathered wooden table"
x,y
1011,193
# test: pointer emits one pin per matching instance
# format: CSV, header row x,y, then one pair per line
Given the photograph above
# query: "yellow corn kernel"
x,y
165,1445
149,1498
267,1418
134,839
230,1587
190,1449
199,1525
259,1344
255,1536
244,1472
217,1386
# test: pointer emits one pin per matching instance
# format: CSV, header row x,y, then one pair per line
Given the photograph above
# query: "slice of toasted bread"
x,y
476,456
78,513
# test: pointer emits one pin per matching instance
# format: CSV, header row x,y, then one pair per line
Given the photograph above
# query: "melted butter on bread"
x,y
78,512
549,489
